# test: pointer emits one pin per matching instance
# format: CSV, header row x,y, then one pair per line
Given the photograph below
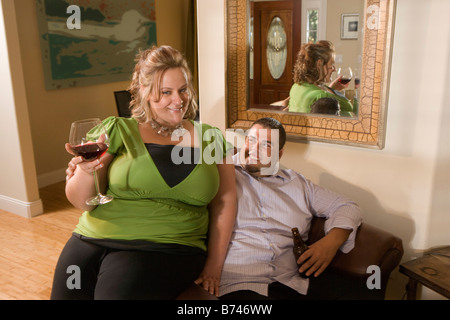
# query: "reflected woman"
x,y
312,70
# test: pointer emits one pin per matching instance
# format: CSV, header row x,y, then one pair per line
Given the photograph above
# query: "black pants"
x,y
328,286
109,274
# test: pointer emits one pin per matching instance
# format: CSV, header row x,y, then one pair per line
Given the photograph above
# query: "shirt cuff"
x,y
348,222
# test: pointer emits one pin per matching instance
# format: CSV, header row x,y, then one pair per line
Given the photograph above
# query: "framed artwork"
x,y
93,42
349,25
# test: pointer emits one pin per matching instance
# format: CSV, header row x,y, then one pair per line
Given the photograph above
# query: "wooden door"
x,y
266,89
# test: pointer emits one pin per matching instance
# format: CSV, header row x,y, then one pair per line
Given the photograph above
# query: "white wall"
x,y
403,188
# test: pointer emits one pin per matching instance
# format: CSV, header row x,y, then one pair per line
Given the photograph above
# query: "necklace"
x,y
164,131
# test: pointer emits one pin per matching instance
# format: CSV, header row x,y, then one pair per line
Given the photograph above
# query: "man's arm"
x,y
343,218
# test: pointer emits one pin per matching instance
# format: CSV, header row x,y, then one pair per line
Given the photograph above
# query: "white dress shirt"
x,y
261,247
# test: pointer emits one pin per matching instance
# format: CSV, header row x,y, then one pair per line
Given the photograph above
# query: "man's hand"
x,y
319,255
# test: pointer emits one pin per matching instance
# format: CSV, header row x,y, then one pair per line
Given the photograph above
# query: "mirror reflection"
x,y
305,56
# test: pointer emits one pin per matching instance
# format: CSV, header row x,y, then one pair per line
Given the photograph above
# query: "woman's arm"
x,y
222,218
80,179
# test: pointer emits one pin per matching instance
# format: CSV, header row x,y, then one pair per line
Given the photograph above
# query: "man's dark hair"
x,y
326,106
271,123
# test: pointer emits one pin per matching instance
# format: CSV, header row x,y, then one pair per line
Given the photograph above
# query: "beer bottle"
x,y
299,247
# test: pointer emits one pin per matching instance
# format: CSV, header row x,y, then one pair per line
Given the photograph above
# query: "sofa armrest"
x,y
373,246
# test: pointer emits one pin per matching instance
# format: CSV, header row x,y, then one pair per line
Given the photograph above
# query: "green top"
x,y
304,95
144,206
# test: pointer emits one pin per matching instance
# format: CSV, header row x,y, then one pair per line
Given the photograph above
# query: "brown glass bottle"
x,y
299,247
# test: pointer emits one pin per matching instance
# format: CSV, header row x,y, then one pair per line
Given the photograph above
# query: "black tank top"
x,y
174,163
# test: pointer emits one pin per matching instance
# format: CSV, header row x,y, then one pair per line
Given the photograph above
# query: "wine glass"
x,y
346,75
88,138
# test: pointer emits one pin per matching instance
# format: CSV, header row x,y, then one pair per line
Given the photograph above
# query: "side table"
x,y
431,270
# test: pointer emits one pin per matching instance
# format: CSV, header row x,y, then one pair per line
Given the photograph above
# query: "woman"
x,y
150,241
312,70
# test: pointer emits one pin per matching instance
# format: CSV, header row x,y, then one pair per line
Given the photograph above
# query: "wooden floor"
x,y
29,248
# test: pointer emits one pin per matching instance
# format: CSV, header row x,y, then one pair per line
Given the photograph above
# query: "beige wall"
x,y
348,50
51,112
41,119
403,188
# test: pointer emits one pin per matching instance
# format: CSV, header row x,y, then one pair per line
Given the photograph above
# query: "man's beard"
x,y
256,168
253,169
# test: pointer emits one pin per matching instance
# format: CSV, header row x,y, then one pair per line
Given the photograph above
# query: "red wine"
x,y
345,80
90,151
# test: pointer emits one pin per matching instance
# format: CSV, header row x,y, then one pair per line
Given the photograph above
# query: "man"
x,y
260,263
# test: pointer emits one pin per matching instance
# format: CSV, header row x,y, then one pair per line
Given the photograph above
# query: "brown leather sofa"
x,y
373,246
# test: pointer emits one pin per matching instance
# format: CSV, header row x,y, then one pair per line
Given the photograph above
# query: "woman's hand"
x,y
337,85
80,178
86,166
209,279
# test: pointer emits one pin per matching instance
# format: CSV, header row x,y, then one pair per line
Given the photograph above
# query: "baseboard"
x,y
50,178
21,208
35,208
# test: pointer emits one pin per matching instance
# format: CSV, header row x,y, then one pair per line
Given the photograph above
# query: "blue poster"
x,y
86,42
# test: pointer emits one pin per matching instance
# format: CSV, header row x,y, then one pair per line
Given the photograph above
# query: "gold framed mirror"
x,y
366,129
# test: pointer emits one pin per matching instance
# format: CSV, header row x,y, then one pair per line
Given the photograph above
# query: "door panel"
x,y
265,88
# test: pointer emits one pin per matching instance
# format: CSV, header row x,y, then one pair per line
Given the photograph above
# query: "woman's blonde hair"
x,y
149,71
305,68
